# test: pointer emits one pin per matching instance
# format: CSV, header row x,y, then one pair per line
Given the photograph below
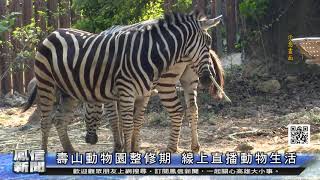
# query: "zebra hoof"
x,y
91,138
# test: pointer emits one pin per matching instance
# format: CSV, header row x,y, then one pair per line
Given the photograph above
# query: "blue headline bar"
x,y
179,160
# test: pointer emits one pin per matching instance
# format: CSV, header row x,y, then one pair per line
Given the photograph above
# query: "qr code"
x,y
299,134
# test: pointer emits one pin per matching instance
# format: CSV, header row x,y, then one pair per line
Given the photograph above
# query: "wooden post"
x,y
27,11
5,82
28,66
17,74
231,25
213,31
64,15
74,16
40,5
218,11
52,13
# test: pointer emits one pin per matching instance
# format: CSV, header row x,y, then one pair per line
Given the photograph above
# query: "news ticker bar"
x,y
173,171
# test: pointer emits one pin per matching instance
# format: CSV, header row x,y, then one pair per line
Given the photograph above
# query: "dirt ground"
x,y
255,121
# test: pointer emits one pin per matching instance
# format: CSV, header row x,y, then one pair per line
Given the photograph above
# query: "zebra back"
x,y
132,27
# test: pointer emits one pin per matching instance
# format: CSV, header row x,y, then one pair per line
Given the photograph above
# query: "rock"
x,y
14,100
270,86
253,112
25,127
212,121
230,60
291,79
249,70
10,112
315,110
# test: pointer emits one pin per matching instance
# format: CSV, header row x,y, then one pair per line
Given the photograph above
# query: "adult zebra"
x,y
189,82
121,66
168,97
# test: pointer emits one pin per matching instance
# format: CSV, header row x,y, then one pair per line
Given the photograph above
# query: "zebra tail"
x,y
30,100
219,76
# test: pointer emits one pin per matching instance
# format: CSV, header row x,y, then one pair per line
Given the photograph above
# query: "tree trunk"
x,y
218,11
40,5
213,31
64,16
28,67
18,67
4,60
231,25
15,6
27,11
74,15
52,14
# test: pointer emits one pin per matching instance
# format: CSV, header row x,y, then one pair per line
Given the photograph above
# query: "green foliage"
x,y
254,9
28,37
6,23
152,10
255,15
183,6
98,15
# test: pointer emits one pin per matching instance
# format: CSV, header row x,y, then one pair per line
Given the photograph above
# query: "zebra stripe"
x,y
128,79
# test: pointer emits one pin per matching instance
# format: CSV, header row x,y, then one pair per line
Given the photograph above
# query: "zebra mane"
x,y
180,18
176,17
169,19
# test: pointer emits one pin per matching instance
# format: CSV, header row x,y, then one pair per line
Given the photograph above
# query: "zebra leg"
x,y
46,98
93,115
190,94
171,102
112,114
138,119
64,114
126,105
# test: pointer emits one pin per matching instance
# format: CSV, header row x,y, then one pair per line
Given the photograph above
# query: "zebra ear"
x,y
206,24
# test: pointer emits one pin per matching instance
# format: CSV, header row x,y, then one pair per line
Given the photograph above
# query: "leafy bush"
x,y
98,15
254,9
28,37
6,23
25,38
